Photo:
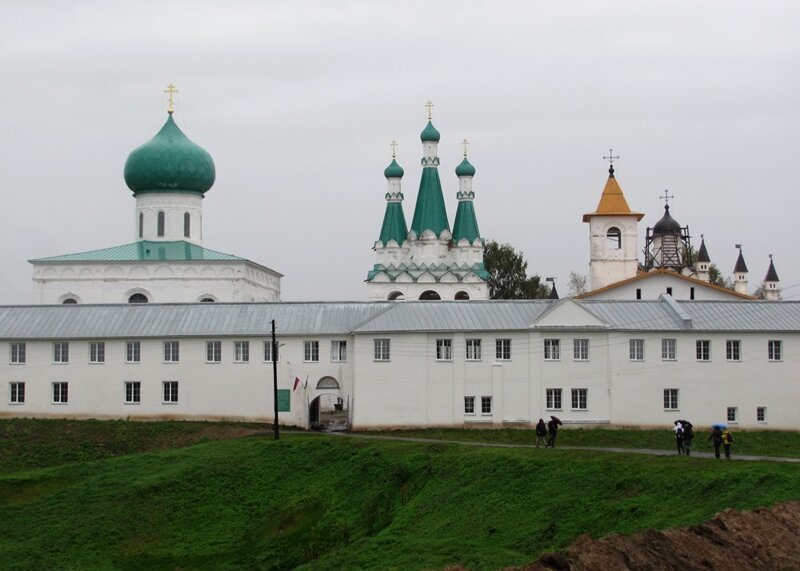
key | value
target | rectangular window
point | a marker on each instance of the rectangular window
(268, 352)
(213, 351)
(172, 353)
(133, 392)
(97, 352)
(774, 350)
(469, 405)
(382, 349)
(703, 350)
(133, 352)
(580, 349)
(338, 351)
(473, 349)
(636, 349)
(17, 393)
(670, 399)
(502, 349)
(669, 349)
(486, 405)
(553, 399)
(18, 353)
(552, 349)
(61, 352)
(733, 414)
(444, 349)
(733, 349)
(761, 414)
(669, 291)
(241, 351)
(60, 393)
(638, 293)
(311, 351)
(579, 399)
(170, 391)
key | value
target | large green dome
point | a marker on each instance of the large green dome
(429, 133)
(169, 162)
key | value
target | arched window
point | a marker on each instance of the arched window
(614, 237)
(160, 230)
(69, 301)
(429, 295)
(138, 298)
(327, 383)
(141, 225)
(206, 300)
(187, 224)
(395, 296)
(462, 295)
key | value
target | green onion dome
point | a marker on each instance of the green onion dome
(169, 162)
(465, 168)
(430, 133)
(393, 170)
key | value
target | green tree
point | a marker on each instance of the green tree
(508, 277)
(716, 278)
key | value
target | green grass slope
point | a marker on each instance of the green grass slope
(325, 502)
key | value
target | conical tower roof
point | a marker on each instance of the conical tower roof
(394, 225)
(740, 267)
(702, 254)
(466, 224)
(772, 275)
(612, 201)
(430, 212)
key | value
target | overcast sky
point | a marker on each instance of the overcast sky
(297, 102)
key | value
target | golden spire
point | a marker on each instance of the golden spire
(170, 91)
(393, 144)
(429, 107)
(466, 144)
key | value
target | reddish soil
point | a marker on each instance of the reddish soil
(761, 539)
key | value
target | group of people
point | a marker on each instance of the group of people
(546, 433)
(720, 437)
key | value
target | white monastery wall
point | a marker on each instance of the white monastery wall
(653, 286)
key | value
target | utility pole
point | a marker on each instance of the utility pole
(275, 380)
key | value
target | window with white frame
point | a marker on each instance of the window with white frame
(338, 351)
(170, 391)
(486, 405)
(18, 353)
(774, 350)
(444, 349)
(733, 350)
(17, 395)
(580, 349)
(552, 349)
(241, 351)
(733, 414)
(761, 414)
(133, 352)
(172, 351)
(703, 349)
(213, 351)
(636, 349)
(502, 349)
(473, 349)
(382, 352)
(133, 392)
(97, 352)
(60, 393)
(670, 399)
(268, 356)
(61, 352)
(669, 350)
(579, 399)
(553, 399)
(469, 405)
(311, 351)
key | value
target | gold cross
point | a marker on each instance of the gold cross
(393, 144)
(429, 107)
(466, 144)
(170, 90)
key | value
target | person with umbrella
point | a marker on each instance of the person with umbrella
(688, 435)
(716, 438)
(552, 431)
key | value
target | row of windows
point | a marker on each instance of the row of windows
(733, 350)
(444, 349)
(132, 392)
(161, 223)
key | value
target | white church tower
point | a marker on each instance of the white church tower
(613, 236)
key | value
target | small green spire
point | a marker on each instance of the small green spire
(466, 224)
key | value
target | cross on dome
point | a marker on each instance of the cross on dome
(466, 146)
(429, 107)
(666, 197)
(393, 144)
(610, 158)
(170, 91)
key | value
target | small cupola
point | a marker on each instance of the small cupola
(771, 280)
(740, 273)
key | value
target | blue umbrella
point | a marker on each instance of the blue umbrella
(720, 426)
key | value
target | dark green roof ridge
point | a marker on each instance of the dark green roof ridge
(143, 251)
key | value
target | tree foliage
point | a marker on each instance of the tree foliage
(508, 278)
(716, 277)
(577, 283)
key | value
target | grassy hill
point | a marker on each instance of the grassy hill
(323, 502)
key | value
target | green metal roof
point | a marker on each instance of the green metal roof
(144, 251)
(393, 170)
(466, 224)
(169, 162)
(394, 224)
(430, 212)
(465, 168)
(429, 133)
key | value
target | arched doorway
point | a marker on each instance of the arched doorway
(429, 295)
(328, 411)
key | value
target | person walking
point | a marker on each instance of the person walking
(716, 439)
(727, 440)
(541, 433)
(688, 435)
(678, 429)
(552, 432)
